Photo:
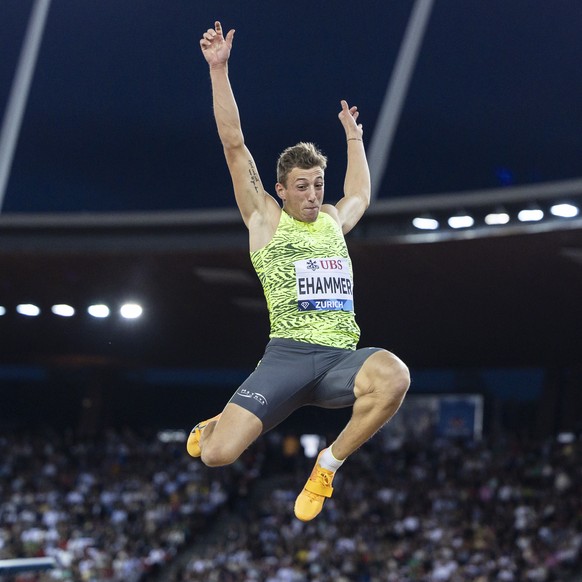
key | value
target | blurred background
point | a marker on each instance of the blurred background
(127, 299)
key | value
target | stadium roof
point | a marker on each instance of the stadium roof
(509, 298)
(119, 114)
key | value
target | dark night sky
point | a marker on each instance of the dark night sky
(119, 115)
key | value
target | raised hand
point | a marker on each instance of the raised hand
(215, 47)
(349, 117)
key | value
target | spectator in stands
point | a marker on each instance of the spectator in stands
(114, 510)
(447, 511)
(454, 511)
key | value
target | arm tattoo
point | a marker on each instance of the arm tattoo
(254, 176)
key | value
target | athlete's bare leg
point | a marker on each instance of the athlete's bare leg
(222, 442)
(380, 387)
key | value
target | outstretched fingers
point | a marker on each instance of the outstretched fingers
(229, 37)
(353, 110)
(217, 34)
(349, 116)
(214, 39)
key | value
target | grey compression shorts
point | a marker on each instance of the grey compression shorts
(294, 374)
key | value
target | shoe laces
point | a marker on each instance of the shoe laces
(323, 475)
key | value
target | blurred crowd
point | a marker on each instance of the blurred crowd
(117, 508)
(440, 511)
(125, 506)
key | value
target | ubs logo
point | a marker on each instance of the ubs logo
(331, 264)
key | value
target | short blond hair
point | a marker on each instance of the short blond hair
(304, 155)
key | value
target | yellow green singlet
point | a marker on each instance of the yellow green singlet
(307, 278)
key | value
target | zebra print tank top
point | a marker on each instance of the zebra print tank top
(307, 278)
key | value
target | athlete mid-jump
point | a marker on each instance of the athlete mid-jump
(300, 255)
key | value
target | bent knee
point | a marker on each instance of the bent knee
(218, 456)
(400, 377)
(386, 375)
(236, 430)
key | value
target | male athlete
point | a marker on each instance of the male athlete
(301, 258)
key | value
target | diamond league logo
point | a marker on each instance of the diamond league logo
(305, 304)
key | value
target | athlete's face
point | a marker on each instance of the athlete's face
(303, 195)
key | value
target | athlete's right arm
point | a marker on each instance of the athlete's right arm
(256, 206)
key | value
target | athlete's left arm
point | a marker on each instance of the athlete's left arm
(357, 187)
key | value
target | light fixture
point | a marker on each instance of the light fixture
(497, 217)
(425, 223)
(28, 309)
(98, 310)
(131, 310)
(63, 310)
(532, 214)
(2, 310)
(564, 210)
(461, 220)
(172, 436)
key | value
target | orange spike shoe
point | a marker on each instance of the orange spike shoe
(309, 502)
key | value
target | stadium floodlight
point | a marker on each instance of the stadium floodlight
(530, 215)
(98, 310)
(564, 210)
(425, 223)
(495, 218)
(28, 309)
(131, 311)
(63, 310)
(462, 220)
(2, 310)
(172, 436)
(311, 444)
